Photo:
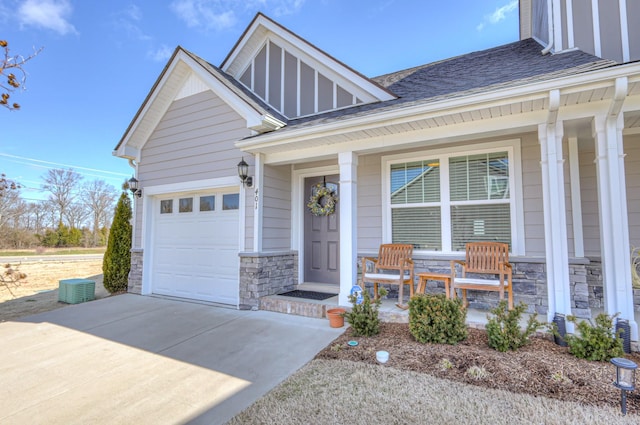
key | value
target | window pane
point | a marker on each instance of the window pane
(185, 205)
(207, 203)
(479, 177)
(475, 223)
(417, 226)
(231, 201)
(166, 206)
(415, 182)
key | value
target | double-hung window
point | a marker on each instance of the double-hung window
(440, 202)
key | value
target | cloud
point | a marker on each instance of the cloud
(284, 7)
(161, 54)
(219, 15)
(500, 14)
(207, 14)
(48, 14)
(133, 12)
(126, 22)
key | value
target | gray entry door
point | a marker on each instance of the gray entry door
(321, 237)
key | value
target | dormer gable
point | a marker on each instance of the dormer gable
(605, 28)
(293, 76)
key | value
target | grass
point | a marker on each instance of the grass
(51, 251)
(338, 391)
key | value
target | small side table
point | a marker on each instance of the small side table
(422, 284)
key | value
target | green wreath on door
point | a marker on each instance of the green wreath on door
(322, 201)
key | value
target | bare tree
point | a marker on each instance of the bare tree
(62, 185)
(9, 197)
(76, 215)
(7, 185)
(100, 198)
(37, 215)
(10, 65)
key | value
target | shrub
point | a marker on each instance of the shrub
(117, 258)
(503, 329)
(435, 318)
(597, 342)
(477, 372)
(363, 317)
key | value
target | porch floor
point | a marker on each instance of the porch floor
(388, 311)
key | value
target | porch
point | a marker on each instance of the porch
(389, 312)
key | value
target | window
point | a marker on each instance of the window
(166, 206)
(207, 203)
(415, 197)
(480, 205)
(185, 205)
(231, 201)
(442, 202)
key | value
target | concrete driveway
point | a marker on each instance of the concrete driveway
(133, 359)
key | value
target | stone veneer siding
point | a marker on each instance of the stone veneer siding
(135, 274)
(266, 273)
(529, 285)
(596, 289)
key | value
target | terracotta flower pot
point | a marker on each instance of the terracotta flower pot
(336, 318)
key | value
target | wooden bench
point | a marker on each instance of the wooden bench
(393, 266)
(484, 258)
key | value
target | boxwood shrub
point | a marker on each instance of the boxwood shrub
(437, 319)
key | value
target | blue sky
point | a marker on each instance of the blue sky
(101, 58)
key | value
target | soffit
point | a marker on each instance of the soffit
(500, 112)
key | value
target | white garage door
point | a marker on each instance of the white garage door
(195, 246)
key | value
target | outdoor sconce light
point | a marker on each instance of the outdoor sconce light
(243, 171)
(134, 188)
(625, 379)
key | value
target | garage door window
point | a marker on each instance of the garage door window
(185, 205)
(231, 201)
(207, 203)
(166, 206)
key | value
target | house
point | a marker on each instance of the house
(534, 143)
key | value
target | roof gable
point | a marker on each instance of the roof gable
(184, 75)
(293, 76)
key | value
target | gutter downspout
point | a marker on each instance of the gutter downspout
(550, 25)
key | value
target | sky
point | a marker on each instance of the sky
(99, 60)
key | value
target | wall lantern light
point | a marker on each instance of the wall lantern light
(243, 173)
(625, 379)
(134, 187)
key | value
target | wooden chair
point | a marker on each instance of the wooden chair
(491, 258)
(393, 266)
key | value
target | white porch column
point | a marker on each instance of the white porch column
(555, 221)
(348, 224)
(614, 222)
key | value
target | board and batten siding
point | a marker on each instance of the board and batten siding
(194, 140)
(276, 214)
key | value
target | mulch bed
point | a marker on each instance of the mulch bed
(540, 368)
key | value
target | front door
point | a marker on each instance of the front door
(321, 234)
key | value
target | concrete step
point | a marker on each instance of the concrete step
(318, 309)
(296, 306)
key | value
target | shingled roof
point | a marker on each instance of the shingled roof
(510, 65)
